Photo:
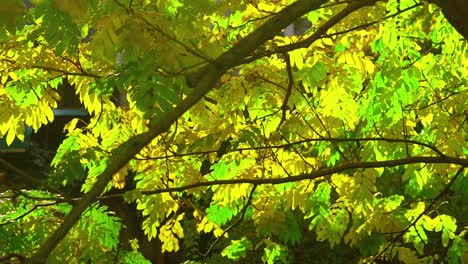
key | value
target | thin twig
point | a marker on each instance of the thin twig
(284, 106)
(246, 206)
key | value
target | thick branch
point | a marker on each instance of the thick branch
(456, 12)
(204, 84)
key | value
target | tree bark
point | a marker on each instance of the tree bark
(456, 12)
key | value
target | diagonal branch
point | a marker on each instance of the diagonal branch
(350, 8)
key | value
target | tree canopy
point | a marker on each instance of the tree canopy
(273, 131)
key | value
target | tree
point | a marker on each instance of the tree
(353, 133)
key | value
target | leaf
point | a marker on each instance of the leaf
(333, 228)
(10, 136)
(446, 224)
(457, 252)
(101, 226)
(318, 204)
(292, 231)
(237, 249)
(407, 255)
(170, 233)
(274, 253)
(219, 214)
(370, 244)
(84, 30)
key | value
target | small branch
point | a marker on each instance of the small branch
(9, 257)
(291, 144)
(284, 107)
(28, 178)
(167, 35)
(246, 206)
(27, 213)
(371, 23)
(83, 73)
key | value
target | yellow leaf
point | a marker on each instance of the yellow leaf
(426, 120)
(201, 225)
(328, 41)
(218, 232)
(370, 67)
(70, 126)
(118, 180)
(49, 113)
(10, 11)
(13, 76)
(76, 8)
(407, 255)
(10, 136)
(167, 237)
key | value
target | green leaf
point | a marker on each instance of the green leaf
(457, 252)
(274, 253)
(370, 244)
(446, 224)
(237, 249)
(318, 204)
(219, 214)
(84, 30)
(292, 231)
(101, 226)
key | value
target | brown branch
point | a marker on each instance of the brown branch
(311, 175)
(350, 8)
(160, 124)
(315, 36)
(193, 51)
(284, 107)
(12, 258)
(32, 209)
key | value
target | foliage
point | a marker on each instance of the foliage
(353, 133)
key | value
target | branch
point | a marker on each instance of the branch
(32, 209)
(82, 73)
(350, 8)
(291, 144)
(373, 22)
(284, 106)
(205, 81)
(311, 175)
